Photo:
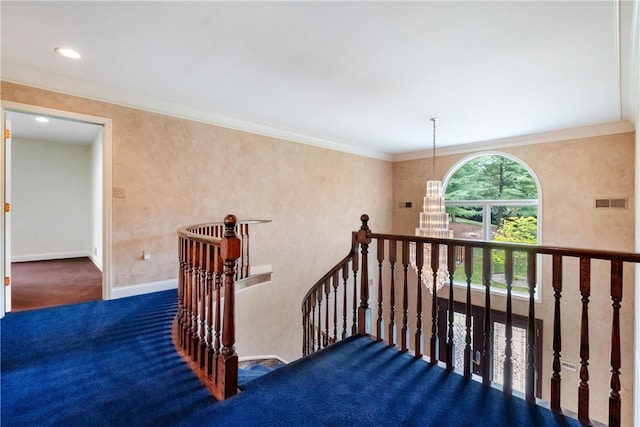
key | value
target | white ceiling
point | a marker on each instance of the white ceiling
(363, 77)
(58, 130)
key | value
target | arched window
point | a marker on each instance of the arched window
(494, 197)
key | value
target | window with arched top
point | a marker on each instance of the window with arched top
(494, 196)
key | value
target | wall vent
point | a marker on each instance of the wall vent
(620, 203)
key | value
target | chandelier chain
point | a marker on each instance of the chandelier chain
(433, 156)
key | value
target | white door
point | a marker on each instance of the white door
(5, 296)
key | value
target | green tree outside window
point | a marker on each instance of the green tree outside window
(493, 197)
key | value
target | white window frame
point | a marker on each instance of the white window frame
(487, 204)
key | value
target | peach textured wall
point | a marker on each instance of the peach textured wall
(572, 174)
(177, 172)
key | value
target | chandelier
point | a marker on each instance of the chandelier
(434, 222)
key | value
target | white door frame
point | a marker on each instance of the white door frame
(106, 180)
(5, 218)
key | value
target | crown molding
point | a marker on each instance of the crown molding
(87, 90)
(539, 138)
(91, 91)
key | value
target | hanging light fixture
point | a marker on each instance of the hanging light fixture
(434, 222)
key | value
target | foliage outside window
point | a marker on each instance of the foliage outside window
(493, 197)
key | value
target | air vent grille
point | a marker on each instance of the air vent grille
(619, 203)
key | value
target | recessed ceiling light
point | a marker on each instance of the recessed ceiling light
(42, 119)
(69, 53)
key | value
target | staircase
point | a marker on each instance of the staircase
(251, 368)
(403, 313)
(213, 266)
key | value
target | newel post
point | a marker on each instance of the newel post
(363, 239)
(229, 253)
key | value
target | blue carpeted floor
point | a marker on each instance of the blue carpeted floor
(112, 363)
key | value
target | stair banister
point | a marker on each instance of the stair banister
(204, 330)
(351, 302)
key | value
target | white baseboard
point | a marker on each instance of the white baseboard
(44, 257)
(97, 262)
(261, 357)
(260, 269)
(143, 288)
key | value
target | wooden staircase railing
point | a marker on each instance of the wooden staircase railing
(217, 229)
(213, 258)
(337, 306)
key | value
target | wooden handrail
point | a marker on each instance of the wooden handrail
(330, 280)
(200, 232)
(349, 303)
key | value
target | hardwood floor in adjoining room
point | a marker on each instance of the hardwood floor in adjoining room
(39, 284)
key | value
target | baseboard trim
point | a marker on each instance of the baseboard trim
(45, 257)
(96, 262)
(143, 288)
(261, 357)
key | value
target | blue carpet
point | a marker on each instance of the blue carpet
(335, 388)
(105, 363)
(112, 363)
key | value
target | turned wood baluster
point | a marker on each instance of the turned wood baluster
(392, 293)
(583, 388)
(327, 293)
(309, 330)
(244, 257)
(181, 282)
(418, 334)
(435, 263)
(230, 252)
(380, 260)
(304, 326)
(185, 297)
(211, 250)
(312, 326)
(451, 266)
(468, 272)
(354, 271)
(405, 297)
(557, 333)
(197, 275)
(530, 379)
(195, 332)
(321, 342)
(188, 298)
(345, 279)
(204, 314)
(336, 284)
(507, 386)
(311, 312)
(616, 298)
(485, 363)
(202, 284)
(217, 344)
(364, 240)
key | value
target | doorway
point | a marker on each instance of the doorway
(56, 173)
